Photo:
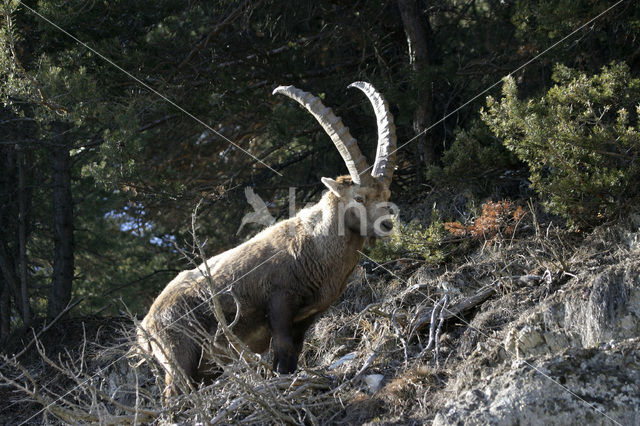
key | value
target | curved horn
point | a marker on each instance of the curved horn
(337, 131)
(385, 161)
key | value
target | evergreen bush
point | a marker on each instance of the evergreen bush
(580, 141)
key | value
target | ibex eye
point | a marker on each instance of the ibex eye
(358, 199)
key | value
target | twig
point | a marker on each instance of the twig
(465, 304)
(434, 333)
(445, 300)
(398, 334)
(400, 259)
(366, 365)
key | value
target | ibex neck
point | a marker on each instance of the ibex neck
(325, 223)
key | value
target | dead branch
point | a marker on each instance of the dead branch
(434, 333)
(424, 318)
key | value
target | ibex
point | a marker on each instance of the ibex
(274, 285)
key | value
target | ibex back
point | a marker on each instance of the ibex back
(274, 285)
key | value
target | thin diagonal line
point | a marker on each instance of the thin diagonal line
(224, 137)
(169, 325)
(151, 89)
(598, 410)
(590, 21)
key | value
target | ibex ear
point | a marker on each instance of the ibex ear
(332, 185)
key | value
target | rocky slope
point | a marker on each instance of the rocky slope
(540, 328)
(573, 358)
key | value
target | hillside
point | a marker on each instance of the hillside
(541, 327)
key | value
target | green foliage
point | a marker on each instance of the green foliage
(413, 240)
(580, 141)
(12, 81)
(476, 158)
(121, 258)
(539, 24)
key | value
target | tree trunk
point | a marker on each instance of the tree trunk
(7, 267)
(63, 261)
(9, 281)
(417, 41)
(22, 240)
(5, 310)
(16, 195)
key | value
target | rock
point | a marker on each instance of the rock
(573, 358)
(599, 308)
(581, 386)
(374, 382)
(342, 360)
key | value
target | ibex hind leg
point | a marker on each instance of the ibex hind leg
(181, 370)
(288, 345)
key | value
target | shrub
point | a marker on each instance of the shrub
(580, 141)
(413, 240)
(475, 159)
(497, 218)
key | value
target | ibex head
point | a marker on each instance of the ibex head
(363, 195)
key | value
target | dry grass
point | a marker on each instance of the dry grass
(373, 329)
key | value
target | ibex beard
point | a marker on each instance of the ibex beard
(272, 287)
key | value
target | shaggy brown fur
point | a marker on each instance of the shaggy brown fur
(273, 286)
(281, 279)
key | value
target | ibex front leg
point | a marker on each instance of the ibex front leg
(281, 312)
